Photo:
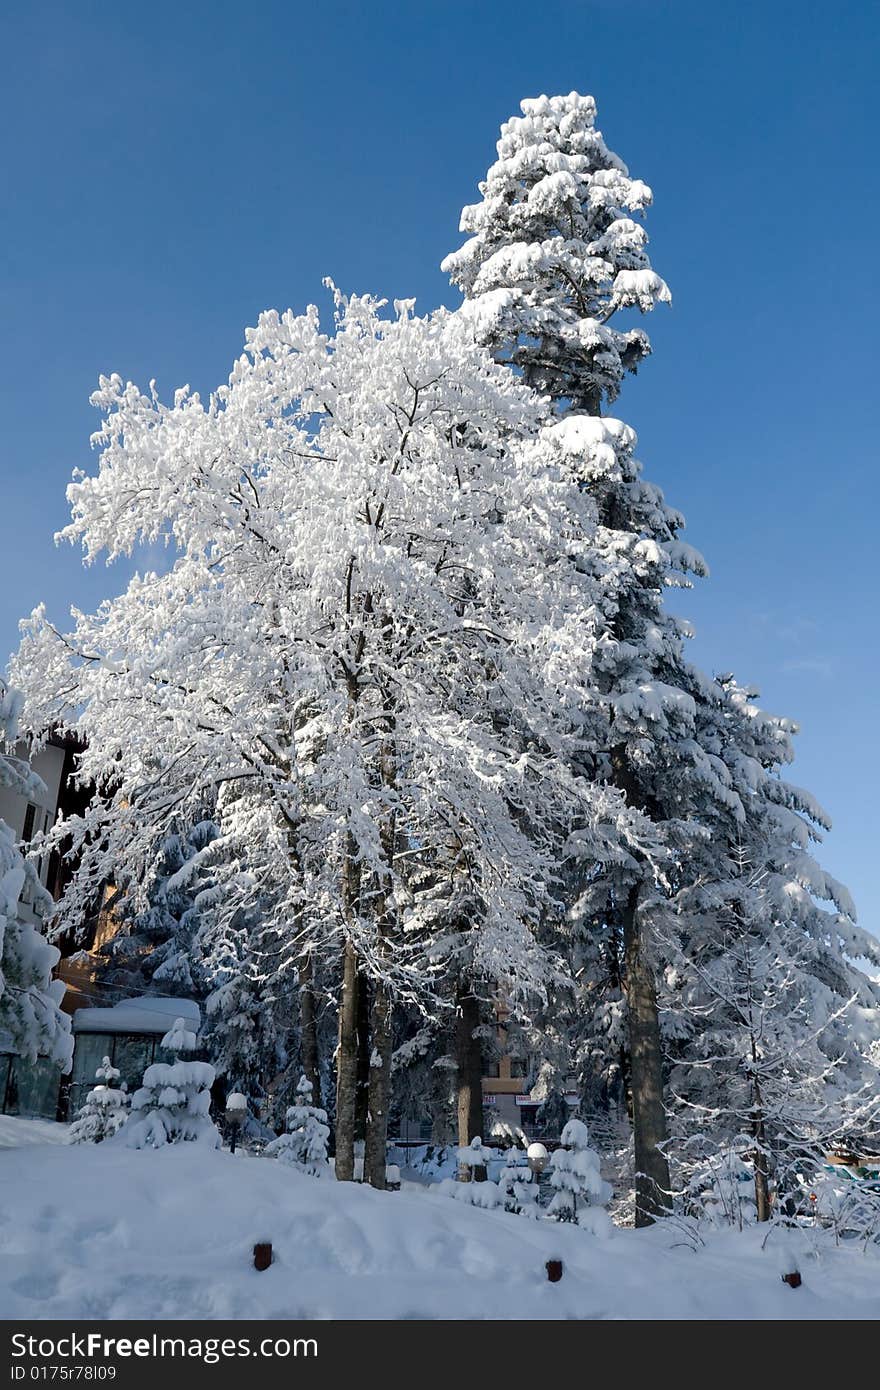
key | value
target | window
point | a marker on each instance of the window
(528, 1116)
(5, 1077)
(30, 817)
(89, 1050)
(132, 1055)
(32, 1088)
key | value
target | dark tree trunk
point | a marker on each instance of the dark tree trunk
(308, 1028)
(375, 1153)
(645, 1051)
(362, 1099)
(646, 1072)
(469, 1057)
(380, 1014)
(346, 1066)
(762, 1171)
(762, 1175)
(616, 980)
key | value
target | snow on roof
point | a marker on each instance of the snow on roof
(149, 1013)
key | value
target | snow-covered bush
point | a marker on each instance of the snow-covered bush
(173, 1105)
(579, 1190)
(105, 1109)
(517, 1186)
(434, 1162)
(722, 1192)
(472, 1156)
(304, 1145)
(473, 1194)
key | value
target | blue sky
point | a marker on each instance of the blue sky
(170, 170)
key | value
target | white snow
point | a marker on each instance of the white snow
(147, 1014)
(103, 1232)
(17, 1132)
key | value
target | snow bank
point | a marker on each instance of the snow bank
(105, 1232)
(19, 1133)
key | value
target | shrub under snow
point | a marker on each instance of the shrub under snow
(517, 1186)
(173, 1105)
(105, 1110)
(304, 1145)
(580, 1192)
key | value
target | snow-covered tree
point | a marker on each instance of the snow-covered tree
(159, 914)
(473, 1160)
(516, 1183)
(372, 631)
(553, 256)
(190, 923)
(579, 1190)
(553, 1113)
(30, 999)
(304, 1143)
(778, 1026)
(173, 1104)
(721, 1191)
(554, 252)
(105, 1109)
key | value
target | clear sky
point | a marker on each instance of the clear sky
(170, 170)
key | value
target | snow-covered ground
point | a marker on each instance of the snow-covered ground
(97, 1232)
(17, 1133)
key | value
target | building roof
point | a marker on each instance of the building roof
(148, 1013)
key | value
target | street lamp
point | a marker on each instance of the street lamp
(537, 1156)
(236, 1112)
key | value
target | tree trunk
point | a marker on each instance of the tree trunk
(653, 1197)
(362, 1099)
(308, 1028)
(469, 1056)
(380, 1034)
(646, 1072)
(762, 1175)
(375, 1153)
(762, 1171)
(346, 1066)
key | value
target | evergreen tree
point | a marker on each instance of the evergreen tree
(304, 1144)
(553, 1114)
(159, 912)
(553, 256)
(105, 1109)
(580, 1192)
(780, 1064)
(554, 253)
(516, 1183)
(173, 1104)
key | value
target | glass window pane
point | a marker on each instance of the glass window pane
(132, 1055)
(5, 1072)
(89, 1051)
(35, 1088)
